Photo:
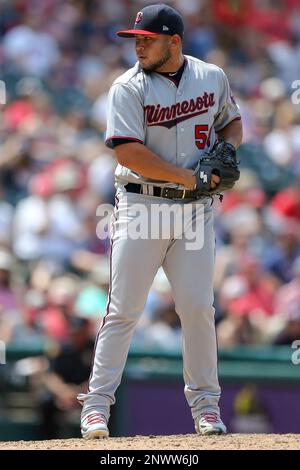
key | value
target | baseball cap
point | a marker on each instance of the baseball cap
(156, 19)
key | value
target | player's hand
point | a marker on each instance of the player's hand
(191, 181)
(215, 180)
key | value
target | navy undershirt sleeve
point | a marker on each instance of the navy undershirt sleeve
(116, 142)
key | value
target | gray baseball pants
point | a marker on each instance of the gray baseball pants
(134, 263)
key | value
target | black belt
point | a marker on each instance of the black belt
(168, 193)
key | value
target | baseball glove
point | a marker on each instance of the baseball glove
(221, 161)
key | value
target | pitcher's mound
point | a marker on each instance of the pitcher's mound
(178, 442)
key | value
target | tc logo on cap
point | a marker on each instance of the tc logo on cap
(139, 17)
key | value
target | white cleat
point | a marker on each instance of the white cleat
(210, 423)
(94, 426)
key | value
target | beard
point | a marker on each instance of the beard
(156, 65)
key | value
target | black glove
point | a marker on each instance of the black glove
(221, 161)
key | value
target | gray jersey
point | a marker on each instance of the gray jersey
(178, 124)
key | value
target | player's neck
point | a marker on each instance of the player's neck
(172, 65)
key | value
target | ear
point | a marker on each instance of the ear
(175, 40)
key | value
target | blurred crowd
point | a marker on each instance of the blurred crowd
(58, 59)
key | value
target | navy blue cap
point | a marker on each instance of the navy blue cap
(156, 19)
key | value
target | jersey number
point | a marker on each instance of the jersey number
(202, 136)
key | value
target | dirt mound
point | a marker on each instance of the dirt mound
(179, 442)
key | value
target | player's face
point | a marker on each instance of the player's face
(153, 52)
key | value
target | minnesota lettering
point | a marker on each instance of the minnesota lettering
(170, 116)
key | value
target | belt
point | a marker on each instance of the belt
(168, 193)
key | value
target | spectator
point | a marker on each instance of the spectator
(287, 307)
(30, 48)
(67, 375)
(280, 258)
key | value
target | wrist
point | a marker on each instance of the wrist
(231, 140)
(190, 180)
(232, 143)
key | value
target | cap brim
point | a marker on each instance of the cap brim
(129, 33)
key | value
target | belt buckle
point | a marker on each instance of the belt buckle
(164, 192)
(180, 197)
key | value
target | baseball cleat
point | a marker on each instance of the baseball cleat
(210, 423)
(93, 426)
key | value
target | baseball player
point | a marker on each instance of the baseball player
(163, 115)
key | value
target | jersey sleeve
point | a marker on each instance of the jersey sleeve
(228, 108)
(125, 115)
